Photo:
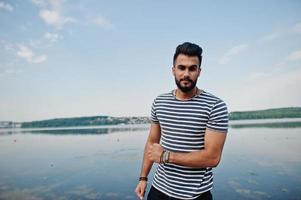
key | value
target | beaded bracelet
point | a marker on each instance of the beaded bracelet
(164, 158)
(162, 155)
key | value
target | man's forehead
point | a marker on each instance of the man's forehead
(182, 59)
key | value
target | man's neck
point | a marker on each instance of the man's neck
(186, 95)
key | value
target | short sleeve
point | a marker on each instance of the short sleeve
(218, 118)
(154, 118)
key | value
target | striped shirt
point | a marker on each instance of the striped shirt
(183, 125)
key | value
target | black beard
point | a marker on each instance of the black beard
(186, 89)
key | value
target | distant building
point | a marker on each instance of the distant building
(9, 124)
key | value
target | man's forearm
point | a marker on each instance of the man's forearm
(154, 137)
(146, 163)
(207, 157)
(202, 158)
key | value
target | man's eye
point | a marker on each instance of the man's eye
(192, 69)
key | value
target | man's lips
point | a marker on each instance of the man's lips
(186, 81)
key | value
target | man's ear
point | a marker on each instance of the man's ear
(200, 70)
(173, 70)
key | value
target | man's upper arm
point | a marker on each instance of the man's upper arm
(155, 133)
(214, 142)
(216, 131)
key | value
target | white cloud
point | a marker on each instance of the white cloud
(272, 36)
(27, 54)
(266, 90)
(102, 22)
(54, 18)
(52, 37)
(296, 55)
(55, 4)
(51, 12)
(10, 71)
(297, 27)
(39, 59)
(6, 6)
(286, 31)
(39, 2)
(231, 53)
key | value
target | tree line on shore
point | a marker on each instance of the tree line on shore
(292, 112)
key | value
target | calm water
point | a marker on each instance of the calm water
(104, 163)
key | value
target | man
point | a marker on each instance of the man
(187, 134)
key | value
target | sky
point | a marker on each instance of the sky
(61, 58)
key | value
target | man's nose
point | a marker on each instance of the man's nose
(186, 73)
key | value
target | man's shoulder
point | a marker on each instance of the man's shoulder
(166, 95)
(211, 96)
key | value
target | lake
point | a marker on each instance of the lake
(259, 162)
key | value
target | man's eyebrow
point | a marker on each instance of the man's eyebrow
(187, 66)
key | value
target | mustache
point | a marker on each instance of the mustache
(186, 79)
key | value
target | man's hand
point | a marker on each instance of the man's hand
(154, 152)
(140, 189)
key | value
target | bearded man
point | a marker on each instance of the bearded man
(187, 134)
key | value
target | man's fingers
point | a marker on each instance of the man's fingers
(140, 192)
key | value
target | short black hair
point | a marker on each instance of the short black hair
(188, 49)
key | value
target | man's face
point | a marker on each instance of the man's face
(186, 71)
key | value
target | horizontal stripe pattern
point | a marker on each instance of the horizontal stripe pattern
(183, 125)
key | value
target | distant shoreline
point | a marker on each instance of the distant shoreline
(275, 113)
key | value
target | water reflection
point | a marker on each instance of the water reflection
(296, 124)
(71, 166)
(90, 163)
(77, 130)
(260, 164)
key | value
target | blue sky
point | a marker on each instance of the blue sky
(62, 58)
